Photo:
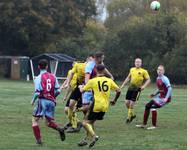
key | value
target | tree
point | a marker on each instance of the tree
(92, 40)
(158, 38)
(30, 27)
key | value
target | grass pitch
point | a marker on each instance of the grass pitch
(16, 132)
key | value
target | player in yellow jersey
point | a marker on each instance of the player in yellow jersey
(76, 95)
(139, 79)
(71, 87)
(101, 87)
(91, 73)
(67, 95)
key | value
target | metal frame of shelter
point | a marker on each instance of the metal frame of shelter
(54, 59)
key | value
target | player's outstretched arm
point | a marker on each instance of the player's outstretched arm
(118, 93)
(154, 94)
(108, 74)
(147, 82)
(35, 97)
(65, 96)
(37, 88)
(64, 83)
(169, 93)
(126, 81)
(69, 80)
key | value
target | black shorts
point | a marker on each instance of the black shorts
(95, 115)
(67, 103)
(76, 94)
(133, 95)
(79, 103)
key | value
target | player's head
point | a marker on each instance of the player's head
(100, 69)
(90, 57)
(138, 62)
(99, 57)
(160, 70)
(43, 64)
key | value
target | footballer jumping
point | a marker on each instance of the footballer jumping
(90, 73)
(101, 87)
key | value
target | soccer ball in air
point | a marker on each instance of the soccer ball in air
(155, 5)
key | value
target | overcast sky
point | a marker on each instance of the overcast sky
(101, 9)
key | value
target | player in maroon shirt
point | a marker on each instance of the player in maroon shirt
(159, 99)
(46, 91)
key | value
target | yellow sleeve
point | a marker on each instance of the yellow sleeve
(88, 86)
(114, 86)
(146, 74)
(74, 69)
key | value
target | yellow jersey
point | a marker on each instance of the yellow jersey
(73, 82)
(79, 70)
(137, 77)
(101, 87)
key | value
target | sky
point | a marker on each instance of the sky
(102, 9)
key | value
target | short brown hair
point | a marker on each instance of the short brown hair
(43, 63)
(99, 54)
(100, 68)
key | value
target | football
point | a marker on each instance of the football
(155, 5)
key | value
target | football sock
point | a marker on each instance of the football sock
(146, 116)
(130, 112)
(154, 117)
(70, 115)
(53, 125)
(89, 129)
(74, 120)
(36, 131)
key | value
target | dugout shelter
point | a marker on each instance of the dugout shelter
(59, 64)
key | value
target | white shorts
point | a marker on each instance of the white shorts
(159, 101)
